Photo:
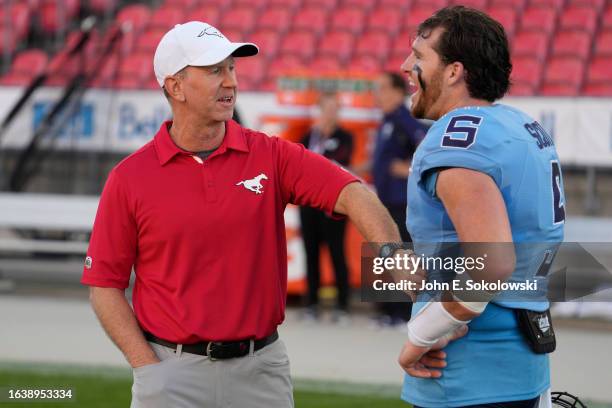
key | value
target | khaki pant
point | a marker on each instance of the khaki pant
(258, 380)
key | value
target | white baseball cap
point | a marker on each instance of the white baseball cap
(195, 43)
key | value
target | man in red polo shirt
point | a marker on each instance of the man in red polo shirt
(198, 214)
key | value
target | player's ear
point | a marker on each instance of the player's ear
(174, 88)
(455, 72)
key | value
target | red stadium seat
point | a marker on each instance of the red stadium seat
(477, 4)
(102, 6)
(598, 90)
(572, 44)
(365, 64)
(242, 18)
(19, 16)
(337, 43)
(375, 44)
(402, 46)
(349, 19)
(251, 71)
(606, 19)
(396, 5)
(25, 67)
(596, 4)
(416, 17)
(559, 90)
(256, 5)
(564, 71)
(235, 35)
(128, 83)
(136, 15)
(515, 4)
(106, 75)
(327, 5)
(280, 66)
(207, 13)
(526, 71)
(277, 19)
(268, 42)
(300, 43)
(579, 18)
(531, 43)
(312, 19)
(289, 4)
(394, 64)
(603, 44)
(148, 41)
(365, 5)
(185, 5)
(506, 16)
(429, 4)
(538, 19)
(547, 4)
(389, 21)
(326, 63)
(55, 17)
(599, 71)
(166, 17)
(519, 89)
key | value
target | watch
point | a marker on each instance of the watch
(388, 250)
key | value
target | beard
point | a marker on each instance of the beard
(427, 97)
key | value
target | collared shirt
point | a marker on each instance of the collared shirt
(206, 238)
(398, 137)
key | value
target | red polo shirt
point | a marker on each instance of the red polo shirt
(206, 239)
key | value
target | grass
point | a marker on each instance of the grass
(110, 387)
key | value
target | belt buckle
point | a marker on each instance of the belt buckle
(209, 351)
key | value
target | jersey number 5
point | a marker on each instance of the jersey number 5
(558, 201)
(461, 135)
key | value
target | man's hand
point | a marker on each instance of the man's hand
(425, 362)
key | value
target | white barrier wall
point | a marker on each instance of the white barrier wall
(123, 121)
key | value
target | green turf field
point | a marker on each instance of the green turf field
(97, 388)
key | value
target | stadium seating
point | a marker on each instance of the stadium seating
(337, 43)
(603, 44)
(277, 19)
(385, 20)
(579, 18)
(375, 44)
(26, 66)
(268, 42)
(539, 19)
(571, 43)
(208, 13)
(166, 17)
(559, 47)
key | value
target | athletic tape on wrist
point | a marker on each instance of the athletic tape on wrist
(431, 324)
(473, 300)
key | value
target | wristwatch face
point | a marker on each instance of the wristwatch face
(386, 250)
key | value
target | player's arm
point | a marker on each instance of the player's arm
(119, 322)
(478, 212)
(368, 214)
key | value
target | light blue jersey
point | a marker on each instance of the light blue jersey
(492, 362)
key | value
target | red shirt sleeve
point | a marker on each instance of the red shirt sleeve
(113, 245)
(310, 179)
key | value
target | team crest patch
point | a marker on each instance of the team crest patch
(88, 262)
(254, 184)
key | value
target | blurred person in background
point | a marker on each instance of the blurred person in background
(397, 138)
(328, 139)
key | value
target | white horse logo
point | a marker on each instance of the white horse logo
(254, 184)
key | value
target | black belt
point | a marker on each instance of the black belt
(218, 350)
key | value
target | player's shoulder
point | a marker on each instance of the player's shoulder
(476, 128)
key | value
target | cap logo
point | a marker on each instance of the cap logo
(210, 31)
